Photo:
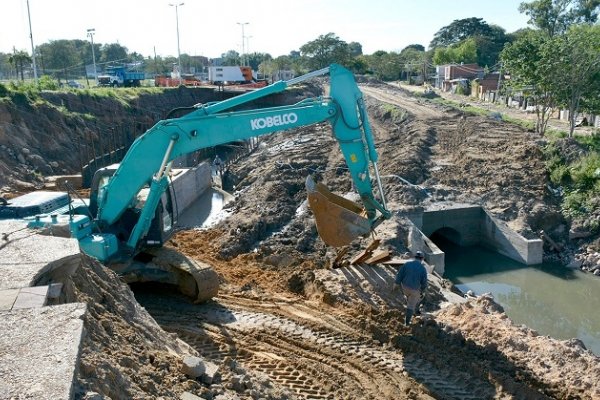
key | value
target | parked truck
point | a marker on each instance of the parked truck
(120, 76)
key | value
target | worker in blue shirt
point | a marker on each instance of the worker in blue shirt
(412, 276)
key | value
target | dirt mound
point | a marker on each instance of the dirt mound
(563, 367)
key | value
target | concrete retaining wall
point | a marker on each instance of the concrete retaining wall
(499, 237)
(468, 225)
(188, 185)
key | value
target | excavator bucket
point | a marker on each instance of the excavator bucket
(339, 220)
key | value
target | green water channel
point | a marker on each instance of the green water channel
(553, 300)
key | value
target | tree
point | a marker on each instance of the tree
(112, 52)
(325, 50)
(526, 60)
(60, 55)
(489, 39)
(459, 30)
(418, 47)
(18, 59)
(385, 66)
(232, 57)
(255, 59)
(355, 49)
(463, 52)
(575, 60)
(555, 16)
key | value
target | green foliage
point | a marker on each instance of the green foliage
(462, 52)
(47, 83)
(579, 179)
(575, 59)
(585, 173)
(555, 16)
(488, 39)
(325, 50)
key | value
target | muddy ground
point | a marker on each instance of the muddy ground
(288, 325)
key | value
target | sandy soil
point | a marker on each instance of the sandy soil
(288, 325)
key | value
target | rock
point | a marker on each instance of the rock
(574, 264)
(237, 383)
(93, 396)
(211, 373)
(40, 164)
(21, 158)
(597, 272)
(25, 151)
(193, 366)
(189, 396)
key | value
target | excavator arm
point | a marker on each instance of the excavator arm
(148, 160)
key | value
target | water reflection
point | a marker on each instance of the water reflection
(549, 298)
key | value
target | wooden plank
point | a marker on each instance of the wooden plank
(360, 257)
(378, 257)
(366, 253)
(395, 261)
(338, 258)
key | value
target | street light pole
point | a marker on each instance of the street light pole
(90, 33)
(32, 48)
(243, 39)
(177, 21)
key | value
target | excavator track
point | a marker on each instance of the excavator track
(194, 279)
(313, 354)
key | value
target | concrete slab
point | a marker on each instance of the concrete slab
(31, 297)
(8, 298)
(39, 350)
(25, 254)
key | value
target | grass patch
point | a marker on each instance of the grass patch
(578, 179)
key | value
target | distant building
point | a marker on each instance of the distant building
(486, 87)
(450, 75)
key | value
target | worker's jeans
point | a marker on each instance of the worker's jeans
(412, 297)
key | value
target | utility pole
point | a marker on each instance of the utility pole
(498, 88)
(243, 39)
(32, 47)
(178, 52)
(90, 33)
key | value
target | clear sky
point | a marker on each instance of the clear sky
(211, 28)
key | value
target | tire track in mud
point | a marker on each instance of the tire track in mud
(313, 354)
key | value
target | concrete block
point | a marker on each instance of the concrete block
(193, 366)
(211, 373)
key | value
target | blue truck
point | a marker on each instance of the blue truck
(121, 76)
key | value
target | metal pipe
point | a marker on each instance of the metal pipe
(163, 165)
(305, 77)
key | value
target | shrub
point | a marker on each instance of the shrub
(47, 83)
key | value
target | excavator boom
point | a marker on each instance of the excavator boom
(148, 160)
